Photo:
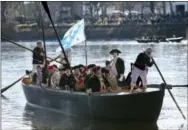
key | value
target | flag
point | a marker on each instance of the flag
(73, 36)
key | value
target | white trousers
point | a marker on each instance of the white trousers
(136, 73)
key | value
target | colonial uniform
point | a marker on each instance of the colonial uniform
(117, 66)
(87, 77)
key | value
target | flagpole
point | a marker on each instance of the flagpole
(86, 52)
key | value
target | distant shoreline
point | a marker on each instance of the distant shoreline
(124, 32)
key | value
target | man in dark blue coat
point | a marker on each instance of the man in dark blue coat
(140, 68)
(117, 65)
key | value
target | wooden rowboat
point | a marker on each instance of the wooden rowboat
(140, 106)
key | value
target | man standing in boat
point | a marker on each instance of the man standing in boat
(117, 65)
(140, 68)
(38, 56)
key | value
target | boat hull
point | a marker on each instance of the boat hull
(178, 39)
(131, 107)
(147, 41)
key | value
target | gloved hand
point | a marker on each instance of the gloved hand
(121, 78)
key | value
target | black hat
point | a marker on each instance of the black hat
(62, 69)
(80, 65)
(115, 50)
(75, 67)
(103, 70)
(66, 66)
(91, 66)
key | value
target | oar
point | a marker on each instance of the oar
(45, 6)
(168, 88)
(9, 86)
(28, 49)
(178, 86)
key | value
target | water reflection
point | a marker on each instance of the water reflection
(41, 119)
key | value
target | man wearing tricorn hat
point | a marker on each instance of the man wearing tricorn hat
(140, 68)
(117, 65)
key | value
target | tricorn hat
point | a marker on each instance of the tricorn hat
(91, 66)
(80, 65)
(115, 51)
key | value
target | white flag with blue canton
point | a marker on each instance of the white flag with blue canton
(74, 35)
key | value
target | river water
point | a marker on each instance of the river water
(17, 115)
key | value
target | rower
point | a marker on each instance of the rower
(38, 59)
(117, 66)
(38, 56)
(128, 79)
(140, 68)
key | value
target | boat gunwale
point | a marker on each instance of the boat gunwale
(96, 94)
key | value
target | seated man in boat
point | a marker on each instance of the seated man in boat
(117, 66)
(38, 56)
(95, 83)
(79, 86)
(55, 77)
(67, 80)
(51, 70)
(90, 73)
(84, 71)
(64, 78)
(140, 68)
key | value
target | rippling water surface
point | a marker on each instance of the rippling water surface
(17, 115)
